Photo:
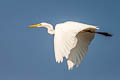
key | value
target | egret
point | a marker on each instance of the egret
(71, 40)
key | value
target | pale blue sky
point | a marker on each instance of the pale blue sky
(28, 54)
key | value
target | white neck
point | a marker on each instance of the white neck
(49, 27)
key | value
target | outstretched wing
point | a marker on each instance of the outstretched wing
(79, 51)
(72, 42)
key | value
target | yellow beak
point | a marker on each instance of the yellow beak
(31, 26)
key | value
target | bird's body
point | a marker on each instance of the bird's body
(71, 40)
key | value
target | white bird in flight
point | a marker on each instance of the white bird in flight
(71, 40)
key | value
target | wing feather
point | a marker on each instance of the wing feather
(81, 47)
(71, 42)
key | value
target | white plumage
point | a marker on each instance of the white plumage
(71, 40)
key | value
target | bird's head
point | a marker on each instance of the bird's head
(45, 25)
(38, 25)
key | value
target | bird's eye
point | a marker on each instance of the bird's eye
(40, 24)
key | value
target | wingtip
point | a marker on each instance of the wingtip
(59, 60)
(70, 64)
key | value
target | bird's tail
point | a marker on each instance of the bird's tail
(104, 33)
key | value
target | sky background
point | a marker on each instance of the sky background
(28, 53)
